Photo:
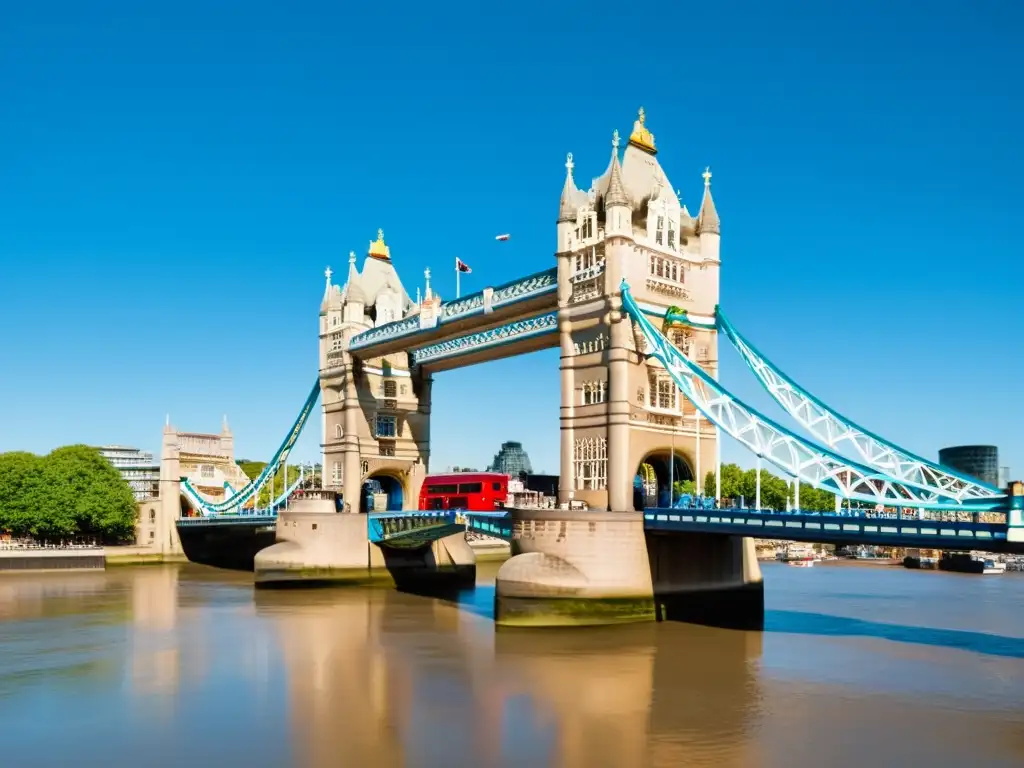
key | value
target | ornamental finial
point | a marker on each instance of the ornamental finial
(707, 176)
(351, 257)
(568, 162)
(327, 274)
(615, 138)
(378, 249)
(641, 137)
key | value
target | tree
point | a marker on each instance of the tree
(71, 492)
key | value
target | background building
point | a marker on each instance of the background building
(980, 461)
(137, 468)
(1004, 477)
(511, 459)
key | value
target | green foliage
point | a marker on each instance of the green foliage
(72, 492)
(252, 470)
(682, 487)
(774, 490)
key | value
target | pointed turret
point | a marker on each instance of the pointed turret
(327, 291)
(570, 194)
(616, 194)
(354, 293)
(707, 219)
(224, 428)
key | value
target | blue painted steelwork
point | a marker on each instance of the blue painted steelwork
(503, 334)
(524, 288)
(411, 529)
(496, 524)
(835, 430)
(857, 528)
(279, 459)
(808, 461)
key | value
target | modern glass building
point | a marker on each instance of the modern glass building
(511, 459)
(136, 467)
(980, 461)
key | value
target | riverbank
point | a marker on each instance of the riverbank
(131, 555)
(41, 560)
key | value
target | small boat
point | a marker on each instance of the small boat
(798, 555)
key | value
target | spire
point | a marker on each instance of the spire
(567, 205)
(224, 429)
(641, 137)
(353, 290)
(427, 294)
(616, 194)
(707, 219)
(378, 249)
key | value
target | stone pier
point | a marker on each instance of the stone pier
(316, 544)
(575, 568)
(586, 567)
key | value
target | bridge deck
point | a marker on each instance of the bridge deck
(830, 528)
(526, 297)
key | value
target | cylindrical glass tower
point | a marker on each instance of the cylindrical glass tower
(980, 461)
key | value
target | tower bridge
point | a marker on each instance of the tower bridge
(632, 304)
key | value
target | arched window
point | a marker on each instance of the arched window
(390, 389)
(337, 431)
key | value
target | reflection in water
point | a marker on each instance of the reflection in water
(191, 666)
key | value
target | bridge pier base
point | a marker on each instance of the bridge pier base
(574, 568)
(318, 545)
(706, 578)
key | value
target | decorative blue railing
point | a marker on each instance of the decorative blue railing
(503, 334)
(524, 288)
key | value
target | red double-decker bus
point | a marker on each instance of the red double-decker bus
(470, 491)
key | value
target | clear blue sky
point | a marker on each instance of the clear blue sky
(174, 177)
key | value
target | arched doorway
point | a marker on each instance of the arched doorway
(381, 493)
(651, 483)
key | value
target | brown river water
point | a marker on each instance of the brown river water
(190, 666)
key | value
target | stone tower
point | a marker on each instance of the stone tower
(376, 412)
(621, 414)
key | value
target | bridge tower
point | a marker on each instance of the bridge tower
(623, 419)
(621, 414)
(376, 412)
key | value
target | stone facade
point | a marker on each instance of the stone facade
(618, 407)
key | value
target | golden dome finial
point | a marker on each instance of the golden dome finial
(641, 137)
(378, 249)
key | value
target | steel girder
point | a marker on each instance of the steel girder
(807, 461)
(836, 431)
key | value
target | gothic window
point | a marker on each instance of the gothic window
(385, 426)
(390, 389)
(337, 431)
(336, 473)
(671, 234)
(659, 233)
(590, 459)
(336, 342)
(664, 393)
(593, 392)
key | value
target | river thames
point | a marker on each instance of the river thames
(168, 666)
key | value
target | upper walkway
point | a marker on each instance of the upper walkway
(525, 297)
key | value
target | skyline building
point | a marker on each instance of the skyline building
(511, 459)
(137, 468)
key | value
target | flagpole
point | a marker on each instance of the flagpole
(458, 280)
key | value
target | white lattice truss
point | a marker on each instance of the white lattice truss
(807, 461)
(836, 431)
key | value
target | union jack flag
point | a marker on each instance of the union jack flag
(461, 266)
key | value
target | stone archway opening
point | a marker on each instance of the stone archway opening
(381, 493)
(651, 484)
